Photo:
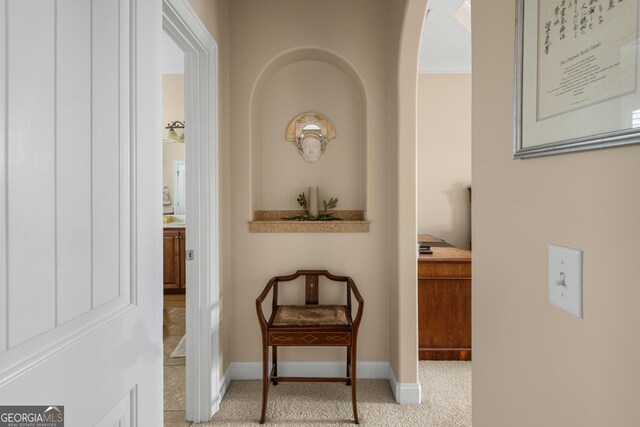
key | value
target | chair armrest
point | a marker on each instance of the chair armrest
(355, 291)
(260, 300)
(356, 294)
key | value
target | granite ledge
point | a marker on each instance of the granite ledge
(288, 226)
(276, 215)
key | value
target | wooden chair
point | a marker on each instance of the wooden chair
(311, 324)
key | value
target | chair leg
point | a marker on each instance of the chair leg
(354, 362)
(274, 350)
(265, 380)
(348, 366)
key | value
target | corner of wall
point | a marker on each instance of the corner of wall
(405, 393)
(404, 34)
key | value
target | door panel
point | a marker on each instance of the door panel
(108, 99)
(80, 249)
(73, 159)
(31, 171)
(38, 164)
(120, 414)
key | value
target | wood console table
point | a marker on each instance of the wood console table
(444, 302)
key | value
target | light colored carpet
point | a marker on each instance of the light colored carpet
(446, 402)
(180, 350)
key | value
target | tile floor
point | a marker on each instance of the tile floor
(173, 329)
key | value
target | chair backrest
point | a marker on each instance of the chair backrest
(312, 292)
(311, 289)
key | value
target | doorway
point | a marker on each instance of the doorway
(444, 182)
(444, 202)
(200, 242)
(173, 232)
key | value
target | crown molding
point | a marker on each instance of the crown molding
(453, 68)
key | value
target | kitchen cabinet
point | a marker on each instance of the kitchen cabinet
(174, 276)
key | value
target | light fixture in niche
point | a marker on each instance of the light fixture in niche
(311, 132)
(171, 135)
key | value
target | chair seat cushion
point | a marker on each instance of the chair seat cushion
(311, 315)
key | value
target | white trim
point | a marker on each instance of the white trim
(42, 348)
(4, 176)
(224, 382)
(121, 413)
(405, 393)
(172, 57)
(172, 69)
(182, 24)
(453, 68)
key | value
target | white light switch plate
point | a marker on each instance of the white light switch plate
(565, 279)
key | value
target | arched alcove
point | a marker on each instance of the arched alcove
(308, 79)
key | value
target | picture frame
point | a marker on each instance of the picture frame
(576, 76)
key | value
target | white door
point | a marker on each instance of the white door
(80, 209)
(180, 187)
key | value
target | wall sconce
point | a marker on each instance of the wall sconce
(171, 135)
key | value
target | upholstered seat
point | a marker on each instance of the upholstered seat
(311, 315)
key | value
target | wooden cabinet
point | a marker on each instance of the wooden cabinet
(174, 256)
(444, 304)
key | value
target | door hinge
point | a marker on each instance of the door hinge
(190, 255)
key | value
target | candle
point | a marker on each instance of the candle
(313, 201)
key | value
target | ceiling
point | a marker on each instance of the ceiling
(446, 43)
(445, 47)
(172, 56)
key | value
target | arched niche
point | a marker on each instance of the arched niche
(308, 79)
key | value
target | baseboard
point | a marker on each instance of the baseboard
(225, 380)
(253, 370)
(405, 393)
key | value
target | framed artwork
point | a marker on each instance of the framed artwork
(576, 76)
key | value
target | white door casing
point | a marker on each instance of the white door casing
(204, 390)
(80, 210)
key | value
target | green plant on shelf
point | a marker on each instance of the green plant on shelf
(322, 216)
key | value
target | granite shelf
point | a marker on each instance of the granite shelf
(273, 222)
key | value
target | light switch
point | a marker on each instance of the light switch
(565, 279)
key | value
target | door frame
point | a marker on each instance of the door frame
(183, 25)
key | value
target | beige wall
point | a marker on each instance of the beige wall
(353, 36)
(395, 16)
(405, 21)
(172, 99)
(283, 173)
(444, 157)
(215, 16)
(172, 110)
(535, 365)
(356, 31)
